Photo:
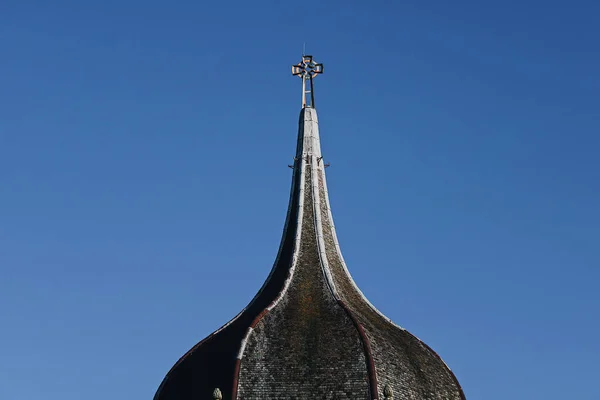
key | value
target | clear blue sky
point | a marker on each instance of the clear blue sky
(144, 182)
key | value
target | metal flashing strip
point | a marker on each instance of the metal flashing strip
(319, 232)
(315, 167)
(364, 298)
(276, 301)
(372, 372)
(343, 262)
(244, 343)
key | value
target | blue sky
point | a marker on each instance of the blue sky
(144, 182)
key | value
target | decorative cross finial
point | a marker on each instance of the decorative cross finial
(307, 69)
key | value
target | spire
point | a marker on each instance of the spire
(307, 69)
(310, 332)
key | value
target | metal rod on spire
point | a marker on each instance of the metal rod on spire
(307, 69)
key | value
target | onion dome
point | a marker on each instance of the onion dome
(310, 332)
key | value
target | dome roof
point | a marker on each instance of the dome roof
(310, 332)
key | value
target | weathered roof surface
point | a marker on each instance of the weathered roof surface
(310, 332)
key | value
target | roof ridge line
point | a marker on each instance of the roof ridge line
(286, 285)
(366, 344)
(319, 227)
(341, 257)
(316, 169)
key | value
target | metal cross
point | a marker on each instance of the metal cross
(307, 69)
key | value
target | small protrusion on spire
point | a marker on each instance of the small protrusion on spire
(307, 69)
(388, 392)
(217, 395)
